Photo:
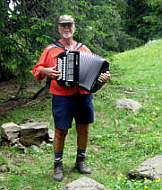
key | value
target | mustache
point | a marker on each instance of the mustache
(67, 35)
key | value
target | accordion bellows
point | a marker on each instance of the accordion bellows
(79, 69)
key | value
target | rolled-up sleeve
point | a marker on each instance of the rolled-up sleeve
(42, 62)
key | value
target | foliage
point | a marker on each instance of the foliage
(143, 19)
(22, 37)
(119, 140)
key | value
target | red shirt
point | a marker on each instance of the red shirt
(49, 59)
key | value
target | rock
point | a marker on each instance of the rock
(10, 131)
(3, 188)
(128, 104)
(36, 148)
(27, 188)
(4, 168)
(3, 179)
(150, 169)
(33, 133)
(84, 183)
(150, 42)
(50, 135)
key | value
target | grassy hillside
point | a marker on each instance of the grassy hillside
(119, 139)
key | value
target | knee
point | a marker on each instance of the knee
(82, 131)
(60, 133)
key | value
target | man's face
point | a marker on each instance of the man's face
(66, 30)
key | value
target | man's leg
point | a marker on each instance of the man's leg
(59, 140)
(82, 141)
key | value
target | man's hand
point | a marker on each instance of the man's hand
(50, 72)
(104, 77)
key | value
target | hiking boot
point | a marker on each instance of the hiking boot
(58, 172)
(82, 167)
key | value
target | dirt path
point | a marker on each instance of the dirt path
(8, 91)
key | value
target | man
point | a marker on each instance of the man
(67, 103)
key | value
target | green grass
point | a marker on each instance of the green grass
(113, 148)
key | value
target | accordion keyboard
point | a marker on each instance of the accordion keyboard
(59, 68)
(70, 67)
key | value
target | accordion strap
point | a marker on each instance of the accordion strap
(59, 44)
(78, 45)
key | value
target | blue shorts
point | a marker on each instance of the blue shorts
(78, 106)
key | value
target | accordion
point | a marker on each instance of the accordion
(79, 69)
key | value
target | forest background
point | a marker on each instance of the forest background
(105, 26)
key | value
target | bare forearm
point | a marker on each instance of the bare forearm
(42, 71)
(50, 72)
